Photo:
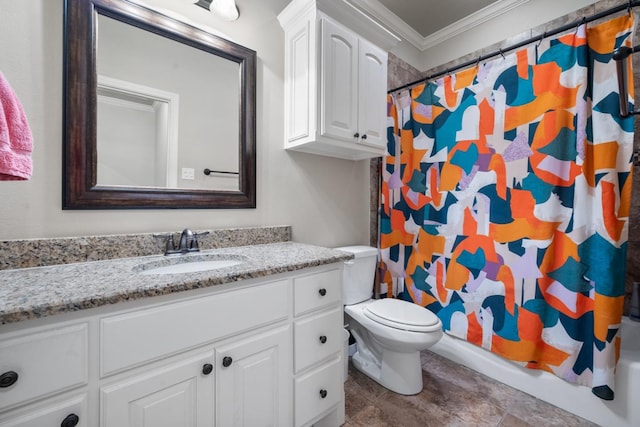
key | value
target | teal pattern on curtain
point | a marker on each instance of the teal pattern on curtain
(505, 203)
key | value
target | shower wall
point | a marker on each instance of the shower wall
(401, 73)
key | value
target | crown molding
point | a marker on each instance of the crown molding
(347, 14)
(378, 12)
(388, 19)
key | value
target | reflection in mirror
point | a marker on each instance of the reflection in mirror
(157, 114)
(137, 135)
(204, 87)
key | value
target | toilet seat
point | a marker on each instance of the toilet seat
(401, 314)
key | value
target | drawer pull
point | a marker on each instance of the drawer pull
(323, 339)
(8, 379)
(323, 393)
(356, 135)
(364, 136)
(226, 361)
(207, 368)
(322, 292)
(70, 421)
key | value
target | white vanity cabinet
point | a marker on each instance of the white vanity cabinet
(41, 363)
(177, 394)
(252, 386)
(69, 412)
(335, 81)
(318, 343)
(227, 355)
(249, 382)
(182, 393)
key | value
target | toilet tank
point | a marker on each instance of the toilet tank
(359, 274)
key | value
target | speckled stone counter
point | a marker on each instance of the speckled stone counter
(64, 250)
(30, 293)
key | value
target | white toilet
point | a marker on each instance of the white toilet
(390, 333)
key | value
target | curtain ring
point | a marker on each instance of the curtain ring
(542, 37)
(449, 71)
(582, 22)
(477, 61)
(502, 53)
(629, 7)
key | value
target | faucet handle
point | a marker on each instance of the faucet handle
(170, 246)
(195, 243)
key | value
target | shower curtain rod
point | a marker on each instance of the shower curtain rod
(631, 4)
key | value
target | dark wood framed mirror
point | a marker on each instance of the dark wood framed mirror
(90, 184)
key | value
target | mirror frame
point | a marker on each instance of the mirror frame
(79, 171)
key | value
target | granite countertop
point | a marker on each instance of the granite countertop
(29, 293)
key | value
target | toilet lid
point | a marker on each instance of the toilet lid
(402, 314)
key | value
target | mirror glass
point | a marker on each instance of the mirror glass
(158, 114)
(166, 112)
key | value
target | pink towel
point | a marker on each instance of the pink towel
(16, 140)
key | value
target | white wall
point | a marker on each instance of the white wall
(325, 200)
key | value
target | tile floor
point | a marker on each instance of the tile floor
(453, 395)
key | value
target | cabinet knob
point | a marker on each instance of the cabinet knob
(364, 136)
(226, 361)
(322, 292)
(323, 339)
(71, 420)
(356, 135)
(8, 379)
(207, 368)
(323, 393)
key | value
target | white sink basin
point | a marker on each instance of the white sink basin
(189, 264)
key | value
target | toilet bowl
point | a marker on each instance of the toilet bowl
(390, 333)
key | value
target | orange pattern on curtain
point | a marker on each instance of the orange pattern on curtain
(505, 203)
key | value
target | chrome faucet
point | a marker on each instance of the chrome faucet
(188, 242)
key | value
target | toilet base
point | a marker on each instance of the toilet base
(398, 372)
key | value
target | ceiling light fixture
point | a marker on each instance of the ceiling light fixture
(225, 9)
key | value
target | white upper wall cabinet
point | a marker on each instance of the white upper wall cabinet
(335, 80)
(372, 70)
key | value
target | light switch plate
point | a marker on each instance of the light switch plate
(188, 173)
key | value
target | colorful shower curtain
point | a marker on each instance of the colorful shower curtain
(505, 202)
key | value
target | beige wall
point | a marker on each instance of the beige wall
(325, 200)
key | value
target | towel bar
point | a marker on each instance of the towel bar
(208, 171)
(620, 55)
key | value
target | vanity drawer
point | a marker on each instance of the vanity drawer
(317, 291)
(317, 337)
(54, 413)
(45, 362)
(140, 336)
(318, 391)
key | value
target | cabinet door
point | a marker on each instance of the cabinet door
(253, 381)
(339, 83)
(178, 394)
(372, 81)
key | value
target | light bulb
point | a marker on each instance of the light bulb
(225, 9)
